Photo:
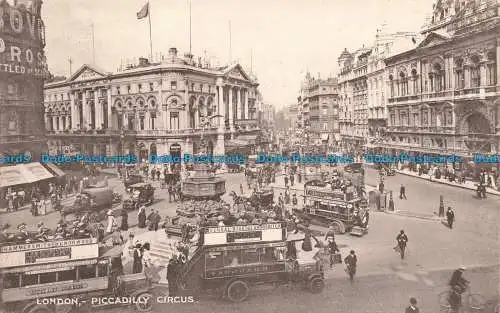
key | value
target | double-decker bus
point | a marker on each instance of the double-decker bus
(229, 260)
(59, 276)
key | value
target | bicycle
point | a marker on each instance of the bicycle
(474, 303)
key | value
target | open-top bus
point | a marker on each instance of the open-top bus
(65, 275)
(229, 260)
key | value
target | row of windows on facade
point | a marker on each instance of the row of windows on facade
(422, 118)
(426, 142)
(437, 81)
(133, 123)
(129, 89)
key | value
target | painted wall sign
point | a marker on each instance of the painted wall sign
(47, 255)
(56, 254)
(325, 194)
(243, 234)
(245, 270)
(227, 229)
(54, 289)
(49, 244)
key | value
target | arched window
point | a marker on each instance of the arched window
(459, 74)
(491, 72)
(403, 85)
(414, 81)
(391, 85)
(475, 75)
(437, 77)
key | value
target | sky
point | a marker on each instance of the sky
(277, 40)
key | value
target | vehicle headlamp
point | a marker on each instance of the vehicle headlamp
(349, 206)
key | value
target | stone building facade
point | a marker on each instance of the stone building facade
(162, 108)
(385, 44)
(443, 95)
(23, 69)
(319, 99)
(353, 98)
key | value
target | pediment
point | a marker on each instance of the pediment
(86, 72)
(237, 72)
(433, 39)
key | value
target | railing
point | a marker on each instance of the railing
(19, 138)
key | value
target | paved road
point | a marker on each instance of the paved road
(385, 282)
(382, 293)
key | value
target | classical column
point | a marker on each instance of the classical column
(221, 108)
(246, 111)
(110, 111)
(125, 121)
(231, 116)
(238, 104)
(147, 120)
(74, 117)
(467, 76)
(55, 125)
(47, 121)
(183, 113)
(61, 124)
(97, 110)
(85, 109)
(482, 73)
(68, 121)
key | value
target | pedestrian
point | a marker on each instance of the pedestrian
(351, 262)
(402, 192)
(381, 186)
(141, 216)
(156, 220)
(402, 240)
(172, 276)
(124, 224)
(146, 258)
(292, 179)
(413, 306)
(286, 180)
(137, 264)
(333, 250)
(153, 172)
(241, 188)
(111, 222)
(450, 217)
(441, 206)
(158, 174)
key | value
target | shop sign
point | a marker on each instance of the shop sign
(228, 229)
(245, 270)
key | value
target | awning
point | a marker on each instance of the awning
(325, 137)
(23, 174)
(251, 139)
(54, 169)
(236, 143)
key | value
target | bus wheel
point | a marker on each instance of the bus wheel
(316, 285)
(237, 291)
(338, 227)
(145, 303)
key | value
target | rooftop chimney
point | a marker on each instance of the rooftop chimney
(143, 62)
(172, 52)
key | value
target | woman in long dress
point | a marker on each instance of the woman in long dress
(142, 217)
(137, 265)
